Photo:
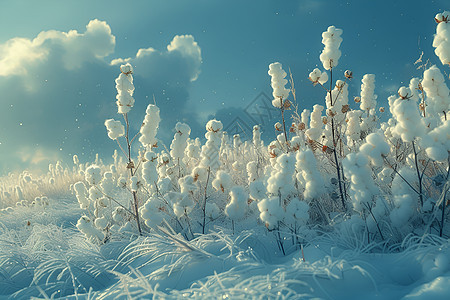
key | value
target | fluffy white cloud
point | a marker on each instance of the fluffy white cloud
(19, 54)
(182, 48)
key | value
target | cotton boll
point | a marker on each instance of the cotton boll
(93, 175)
(182, 203)
(270, 212)
(149, 171)
(187, 184)
(441, 40)
(81, 194)
(278, 83)
(406, 113)
(152, 212)
(331, 53)
(368, 97)
(150, 126)
(238, 205)
(308, 174)
(211, 150)
(115, 129)
(214, 125)
(125, 89)
(323, 78)
(107, 183)
(438, 97)
(252, 171)
(179, 141)
(199, 174)
(256, 136)
(315, 130)
(281, 180)
(437, 142)
(223, 181)
(297, 142)
(315, 75)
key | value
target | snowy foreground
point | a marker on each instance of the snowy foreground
(42, 255)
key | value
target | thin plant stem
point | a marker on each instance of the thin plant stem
(419, 177)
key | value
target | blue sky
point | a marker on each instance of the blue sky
(58, 90)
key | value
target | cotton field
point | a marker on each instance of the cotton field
(349, 201)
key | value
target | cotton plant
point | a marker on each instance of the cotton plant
(210, 151)
(280, 94)
(332, 40)
(238, 204)
(368, 102)
(441, 40)
(437, 95)
(179, 143)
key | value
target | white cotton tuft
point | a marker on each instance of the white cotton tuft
(270, 212)
(81, 194)
(278, 82)
(437, 142)
(115, 129)
(362, 185)
(238, 205)
(368, 97)
(210, 151)
(331, 53)
(375, 148)
(438, 94)
(214, 126)
(316, 124)
(149, 168)
(441, 39)
(150, 126)
(406, 113)
(125, 89)
(187, 184)
(309, 175)
(93, 175)
(179, 142)
(317, 76)
(223, 181)
(152, 212)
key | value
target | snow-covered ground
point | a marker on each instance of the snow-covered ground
(42, 254)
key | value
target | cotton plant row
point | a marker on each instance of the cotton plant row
(31, 190)
(391, 173)
(334, 163)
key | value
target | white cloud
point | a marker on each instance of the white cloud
(183, 45)
(19, 54)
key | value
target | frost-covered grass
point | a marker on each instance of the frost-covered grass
(49, 258)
